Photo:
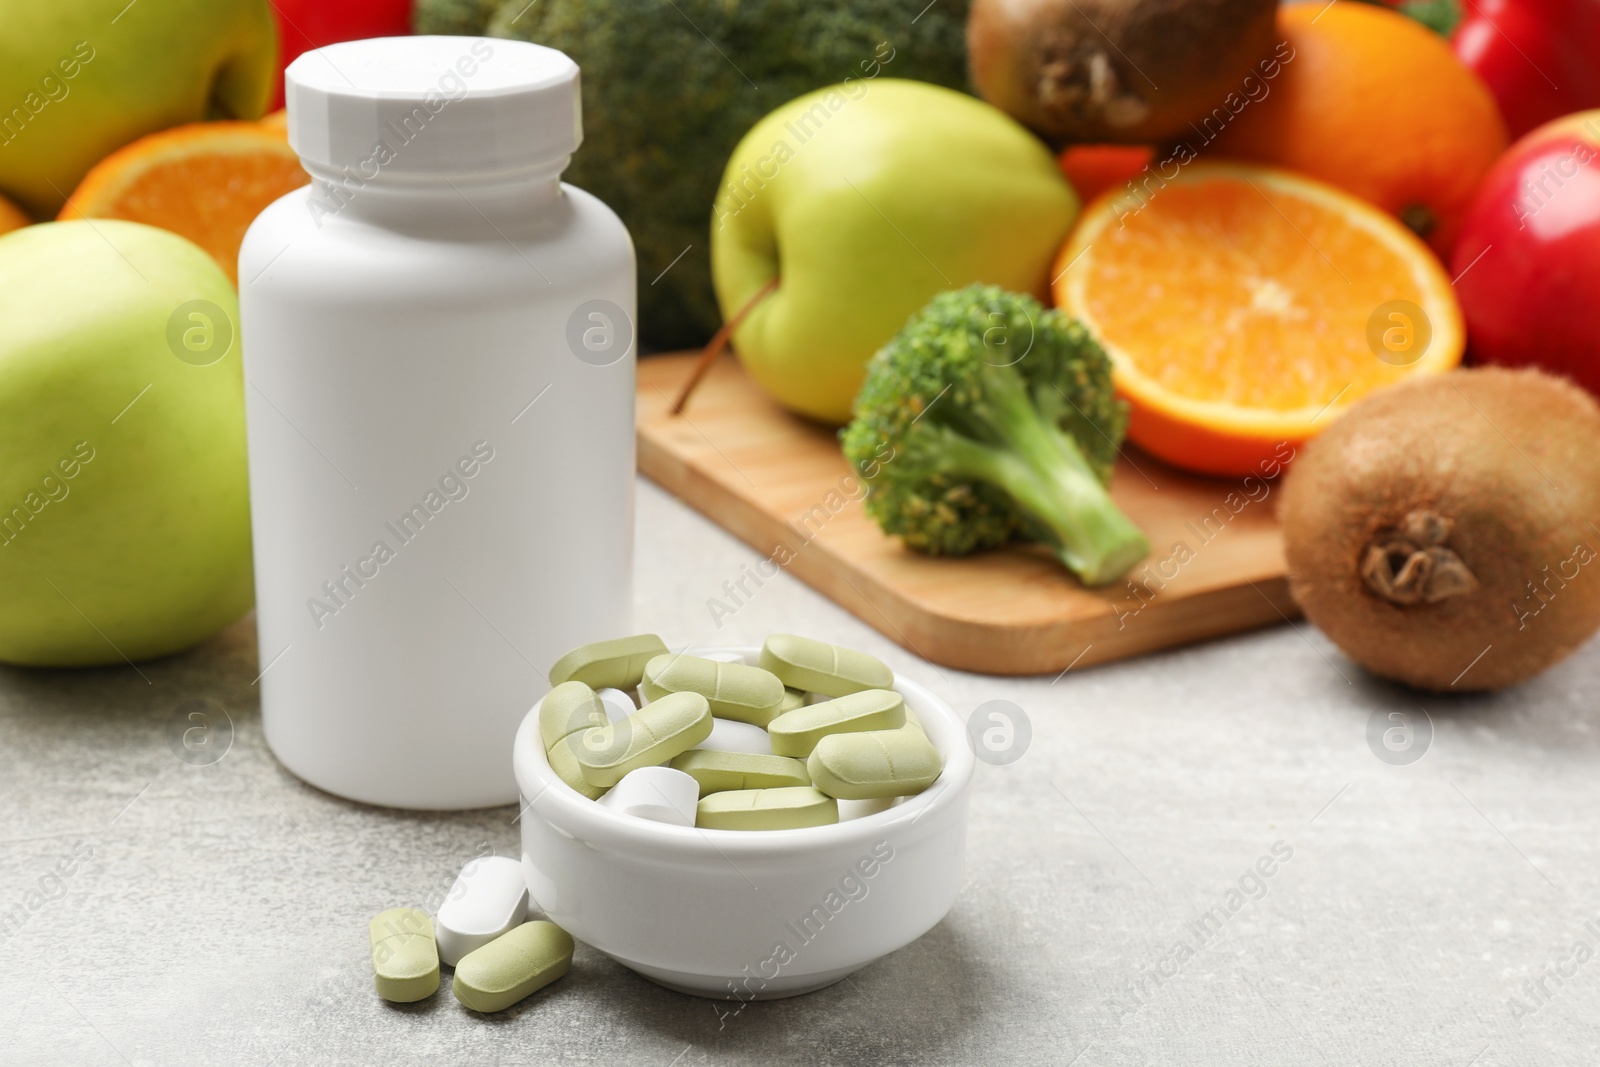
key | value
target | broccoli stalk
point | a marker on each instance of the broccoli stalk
(966, 444)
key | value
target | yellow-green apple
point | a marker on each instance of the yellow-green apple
(81, 78)
(124, 504)
(863, 201)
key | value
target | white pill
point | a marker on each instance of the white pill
(857, 809)
(618, 705)
(489, 898)
(730, 736)
(726, 657)
(660, 794)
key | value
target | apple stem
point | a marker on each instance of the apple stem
(718, 342)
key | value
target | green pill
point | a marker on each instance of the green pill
(735, 690)
(875, 764)
(718, 772)
(818, 667)
(796, 733)
(405, 960)
(514, 965)
(564, 762)
(568, 708)
(792, 698)
(766, 809)
(654, 734)
(615, 664)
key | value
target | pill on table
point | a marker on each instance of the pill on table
(718, 772)
(730, 736)
(796, 733)
(819, 667)
(489, 897)
(659, 794)
(615, 664)
(568, 708)
(879, 763)
(618, 705)
(512, 966)
(767, 809)
(405, 961)
(654, 734)
(735, 690)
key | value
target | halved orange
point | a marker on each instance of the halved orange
(1244, 308)
(206, 181)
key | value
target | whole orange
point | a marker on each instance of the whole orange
(1378, 105)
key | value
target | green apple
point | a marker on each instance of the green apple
(124, 503)
(864, 201)
(81, 78)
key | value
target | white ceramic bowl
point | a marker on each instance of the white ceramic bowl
(747, 914)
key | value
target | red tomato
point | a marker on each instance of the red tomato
(1528, 263)
(1540, 58)
(307, 24)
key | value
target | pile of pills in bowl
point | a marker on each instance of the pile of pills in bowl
(716, 743)
(693, 741)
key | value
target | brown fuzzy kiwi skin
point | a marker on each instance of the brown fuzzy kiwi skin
(1511, 458)
(1119, 71)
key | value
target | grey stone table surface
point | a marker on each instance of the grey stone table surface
(1442, 912)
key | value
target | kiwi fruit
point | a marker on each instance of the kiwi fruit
(1118, 71)
(1441, 532)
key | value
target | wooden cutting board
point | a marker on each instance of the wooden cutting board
(780, 484)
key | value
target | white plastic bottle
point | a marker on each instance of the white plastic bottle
(439, 364)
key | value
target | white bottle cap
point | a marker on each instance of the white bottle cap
(433, 105)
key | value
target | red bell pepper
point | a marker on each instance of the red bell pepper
(307, 24)
(1540, 58)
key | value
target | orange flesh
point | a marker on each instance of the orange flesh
(206, 182)
(1234, 292)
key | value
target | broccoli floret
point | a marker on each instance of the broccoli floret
(989, 418)
(453, 18)
(670, 88)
